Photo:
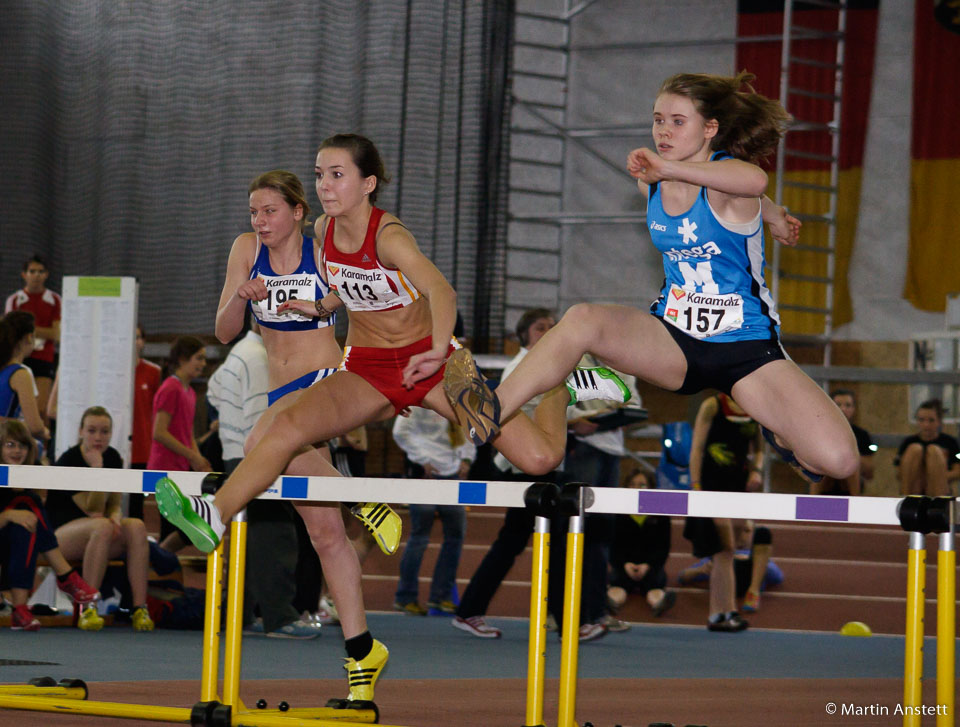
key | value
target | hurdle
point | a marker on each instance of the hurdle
(70, 695)
(586, 500)
(41, 695)
(920, 516)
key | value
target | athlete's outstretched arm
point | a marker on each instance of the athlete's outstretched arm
(734, 177)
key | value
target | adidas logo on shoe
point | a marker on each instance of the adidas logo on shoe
(596, 382)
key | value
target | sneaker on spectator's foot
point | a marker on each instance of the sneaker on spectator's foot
(790, 458)
(23, 620)
(614, 625)
(751, 602)
(381, 522)
(78, 589)
(665, 603)
(476, 406)
(196, 516)
(362, 675)
(297, 630)
(254, 628)
(446, 606)
(90, 620)
(477, 626)
(411, 608)
(551, 622)
(327, 613)
(731, 623)
(589, 632)
(596, 382)
(141, 619)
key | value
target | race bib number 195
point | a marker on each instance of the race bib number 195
(702, 315)
(280, 289)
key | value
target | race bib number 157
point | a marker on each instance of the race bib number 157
(702, 315)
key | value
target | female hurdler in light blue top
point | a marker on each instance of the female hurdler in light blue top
(714, 324)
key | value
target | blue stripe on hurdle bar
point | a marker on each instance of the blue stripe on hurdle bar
(472, 493)
(823, 508)
(148, 483)
(293, 487)
(659, 501)
(4, 476)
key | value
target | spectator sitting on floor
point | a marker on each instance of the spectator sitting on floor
(853, 485)
(753, 568)
(433, 448)
(927, 461)
(91, 526)
(25, 532)
(641, 545)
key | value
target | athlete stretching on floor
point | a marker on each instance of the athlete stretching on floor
(714, 323)
(402, 314)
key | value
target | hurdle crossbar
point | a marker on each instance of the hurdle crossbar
(753, 505)
(759, 506)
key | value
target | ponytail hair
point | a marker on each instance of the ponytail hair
(14, 326)
(750, 125)
(287, 185)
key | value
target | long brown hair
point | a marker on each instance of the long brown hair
(750, 125)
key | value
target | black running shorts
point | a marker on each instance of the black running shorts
(721, 365)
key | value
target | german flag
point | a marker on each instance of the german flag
(933, 265)
(765, 18)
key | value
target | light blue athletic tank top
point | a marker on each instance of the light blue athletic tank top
(713, 286)
(304, 283)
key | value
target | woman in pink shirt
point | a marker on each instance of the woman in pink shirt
(174, 448)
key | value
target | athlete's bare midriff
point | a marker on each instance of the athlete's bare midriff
(391, 328)
(292, 354)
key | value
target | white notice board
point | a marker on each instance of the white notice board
(97, 356)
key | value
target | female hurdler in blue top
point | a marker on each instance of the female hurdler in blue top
(714, 323)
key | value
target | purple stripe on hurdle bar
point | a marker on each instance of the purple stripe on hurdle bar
(823, 508)
(662, 502)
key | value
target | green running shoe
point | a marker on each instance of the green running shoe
(196, 516)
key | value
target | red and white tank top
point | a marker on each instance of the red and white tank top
(360, 279)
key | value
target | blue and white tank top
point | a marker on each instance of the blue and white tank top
(713, 286)
(9, 400)
(304, 283)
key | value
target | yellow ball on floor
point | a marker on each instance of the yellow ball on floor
(856, 628)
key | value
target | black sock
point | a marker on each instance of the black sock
(359, 646)
(66, 575)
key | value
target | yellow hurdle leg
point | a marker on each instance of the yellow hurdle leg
(571, 624)
(211, 626)
(537, 656)
(235, 568)
(946, 628)
(913, 657)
